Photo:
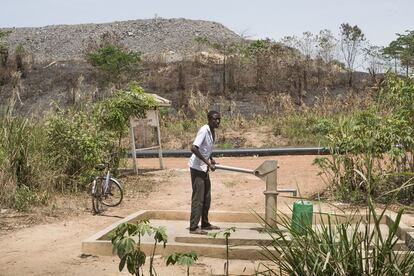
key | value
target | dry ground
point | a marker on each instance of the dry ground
(47, 241)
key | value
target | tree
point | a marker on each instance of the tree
(306, 45)
(258, 50)
(351, 41)
(326, 44)
(374, 58)
(402, 49)
(113, 113)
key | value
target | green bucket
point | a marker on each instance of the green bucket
(302, 216)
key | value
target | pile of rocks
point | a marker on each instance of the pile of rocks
(149, 36)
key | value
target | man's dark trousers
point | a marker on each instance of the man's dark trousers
(200, 199)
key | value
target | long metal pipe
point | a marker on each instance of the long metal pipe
(234, 169)
(237, 152)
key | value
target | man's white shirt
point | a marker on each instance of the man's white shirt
(204, 141)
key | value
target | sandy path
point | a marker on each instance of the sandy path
(55, 248)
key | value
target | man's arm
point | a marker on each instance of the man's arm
(196, 151)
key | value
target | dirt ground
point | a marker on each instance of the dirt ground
(51, 243)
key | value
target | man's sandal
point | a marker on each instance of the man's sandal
(210, 227)
(198, 231)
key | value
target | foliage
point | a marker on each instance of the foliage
(23, 168)
(75, 145)
(113, 59)
(61, 151)
(375, 59)
(160, 235)
(126, 248)
(113, 113)
(129, 251)
(326, 43)
(403, 49)
(226, 234)
(377, 141)
(257, 47)
(341, 245)
(187, 258)
(25, 197)
(351, 40)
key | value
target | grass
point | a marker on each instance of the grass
(353, 245)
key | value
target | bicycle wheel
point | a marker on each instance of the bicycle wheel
(96, 193)
(96, 205)
(113, 195)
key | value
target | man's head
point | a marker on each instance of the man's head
(213, 119)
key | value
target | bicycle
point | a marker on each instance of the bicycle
(105, 190)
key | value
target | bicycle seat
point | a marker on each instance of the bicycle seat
(100, 167)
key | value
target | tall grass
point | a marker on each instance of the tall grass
(25, 176)
(300, 125)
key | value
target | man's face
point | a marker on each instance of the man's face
(214, 121)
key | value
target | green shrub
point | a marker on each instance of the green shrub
(323, 126)
(113, 60)
(23, 198)
(75, 146)
(377, 141)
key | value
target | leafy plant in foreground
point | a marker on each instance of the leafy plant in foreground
(129, 251)
(226, 234)
(187, 259)
(160, 235)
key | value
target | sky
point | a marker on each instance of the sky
(379, 20)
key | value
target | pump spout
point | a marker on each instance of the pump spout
(264, 169)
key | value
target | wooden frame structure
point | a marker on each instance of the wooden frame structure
(152, 119)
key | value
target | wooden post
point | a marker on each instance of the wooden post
(159, 139)
(133, 150)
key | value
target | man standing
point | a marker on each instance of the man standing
(201, 162)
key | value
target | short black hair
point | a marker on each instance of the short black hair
(211, 113)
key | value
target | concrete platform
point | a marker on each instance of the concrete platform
(244, 242)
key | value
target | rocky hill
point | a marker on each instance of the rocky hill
(69, 42)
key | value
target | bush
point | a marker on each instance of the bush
(75, 146)
(113, 60)
(378, 142)
(24, 197)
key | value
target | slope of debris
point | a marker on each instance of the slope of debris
(148, 36)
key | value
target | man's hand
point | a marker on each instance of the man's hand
(212, 164)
